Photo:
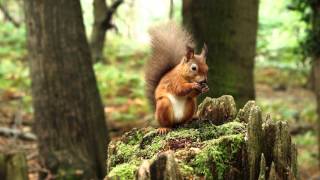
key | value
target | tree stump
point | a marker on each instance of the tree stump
(13, 166)
(222, 144)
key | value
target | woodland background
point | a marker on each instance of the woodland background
(276, 64)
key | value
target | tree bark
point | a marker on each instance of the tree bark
(13, 166)
(68, 112)
(171, 10)
(316, 60)
(316, 72)
(7, 15)
(102, 23)
(229, 28)
(98, 33)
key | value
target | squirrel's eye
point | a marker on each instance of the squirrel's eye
(194, 67)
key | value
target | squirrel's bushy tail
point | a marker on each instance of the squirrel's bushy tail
(168, 46)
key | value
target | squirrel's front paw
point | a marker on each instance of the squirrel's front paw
(197, 86)
(205, 89)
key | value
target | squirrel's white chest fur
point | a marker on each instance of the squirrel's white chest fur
(178, 106)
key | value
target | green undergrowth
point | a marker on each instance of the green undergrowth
(307, 150)
(195, 146)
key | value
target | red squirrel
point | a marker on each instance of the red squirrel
(174, 75)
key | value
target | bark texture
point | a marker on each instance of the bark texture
(229, 28)
(98, 33)
(13, 166)
(8, 16)
(316, 72)
(316, 62)
(68, 112)
(102, 14)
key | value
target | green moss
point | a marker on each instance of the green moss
(153, 148)
(133, 137)
(232, 128)
(213, 132)
(211, 145)
(124, 171)
(218, 152)
(190, 133)
(186, 170)
(124, 153)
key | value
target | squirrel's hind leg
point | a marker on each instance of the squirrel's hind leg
(191, 110)
(164, 115)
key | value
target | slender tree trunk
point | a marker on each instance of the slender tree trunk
(229, 28)
(316, 63)
(102, 23)
(171, 10)
(68, 112)
(316, 72)
(98, 33)
(8, 16)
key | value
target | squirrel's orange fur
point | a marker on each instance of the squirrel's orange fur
(175, 76)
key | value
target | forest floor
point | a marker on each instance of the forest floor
(283, 102)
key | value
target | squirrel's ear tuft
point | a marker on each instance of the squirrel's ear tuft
(190, 53)
(204, 51)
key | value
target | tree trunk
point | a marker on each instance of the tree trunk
(316, 61)
(68, 111)
(13, 166)
(171, 10)
(98, 33)
(8, 16)
(229, 28)
(316, 72)
(102, 23)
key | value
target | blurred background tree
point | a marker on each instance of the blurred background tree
(68, 113)
(102, 22)
(230, 29)
(310, 14)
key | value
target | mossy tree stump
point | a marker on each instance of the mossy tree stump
(13, 166)
(222, 144)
